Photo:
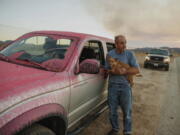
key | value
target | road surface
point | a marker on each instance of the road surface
(170, 110)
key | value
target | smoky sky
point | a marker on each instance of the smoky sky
(157, 20)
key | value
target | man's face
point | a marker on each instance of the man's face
(120, 44)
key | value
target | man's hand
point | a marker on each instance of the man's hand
(106, 73)
(133, 71)
(121, 71)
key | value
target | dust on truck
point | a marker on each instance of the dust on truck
(50, 80)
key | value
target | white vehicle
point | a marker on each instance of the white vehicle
(157, 58)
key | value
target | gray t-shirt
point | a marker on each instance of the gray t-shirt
(125, 57)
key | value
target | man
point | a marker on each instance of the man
(119, 89)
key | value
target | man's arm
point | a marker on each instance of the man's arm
(106, 67)
(132, 71)
(134, 66)
(129, 71)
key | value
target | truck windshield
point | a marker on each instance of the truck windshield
(159, 52)
(38, 49)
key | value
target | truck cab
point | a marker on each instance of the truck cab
(50, 80)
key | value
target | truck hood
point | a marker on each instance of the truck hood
(19, 82)
(157, 55)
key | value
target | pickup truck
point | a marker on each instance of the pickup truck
(157, 58)
(50, 80)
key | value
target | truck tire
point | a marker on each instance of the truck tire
(145, 66)
(167, 68)
(37, 129)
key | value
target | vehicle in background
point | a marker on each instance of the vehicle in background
(157, 58)
(50, 80)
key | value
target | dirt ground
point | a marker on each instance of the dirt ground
(156, 97)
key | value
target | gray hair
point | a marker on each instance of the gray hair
(119, 36)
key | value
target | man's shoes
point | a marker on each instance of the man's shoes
(113, 132)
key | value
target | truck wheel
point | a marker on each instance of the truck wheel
(145, 65)
(37, 129)
(167, 68)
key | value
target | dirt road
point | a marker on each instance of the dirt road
(156, 104)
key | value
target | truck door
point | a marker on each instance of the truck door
(88, 90)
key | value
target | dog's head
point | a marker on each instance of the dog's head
(112, 61)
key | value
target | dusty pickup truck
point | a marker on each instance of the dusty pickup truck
(158, 58)
(50, 80)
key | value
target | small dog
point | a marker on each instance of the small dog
(116, 67)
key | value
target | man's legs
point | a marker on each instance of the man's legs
(113, 103)
(125, 101)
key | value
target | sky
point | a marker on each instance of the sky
(145, 23)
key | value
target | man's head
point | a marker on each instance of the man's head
(120, 43)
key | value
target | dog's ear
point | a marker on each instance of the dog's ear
(115, 59)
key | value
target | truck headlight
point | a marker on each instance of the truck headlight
(167, 60)
(147, 58)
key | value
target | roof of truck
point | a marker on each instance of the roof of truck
(73, 34)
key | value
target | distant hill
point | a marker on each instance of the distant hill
(4, 44)
(147, 49)
(1, 42)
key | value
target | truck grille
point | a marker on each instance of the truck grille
(156, 58)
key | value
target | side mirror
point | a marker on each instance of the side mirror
(170, 55)
(90, 66)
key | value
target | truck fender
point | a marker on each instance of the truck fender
(33, 115)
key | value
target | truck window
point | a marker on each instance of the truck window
(93, 50)
(110, 46)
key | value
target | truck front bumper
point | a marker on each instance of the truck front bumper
(156, 64)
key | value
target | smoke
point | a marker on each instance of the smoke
(157, 20)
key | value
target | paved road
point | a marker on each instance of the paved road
(170, 111)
